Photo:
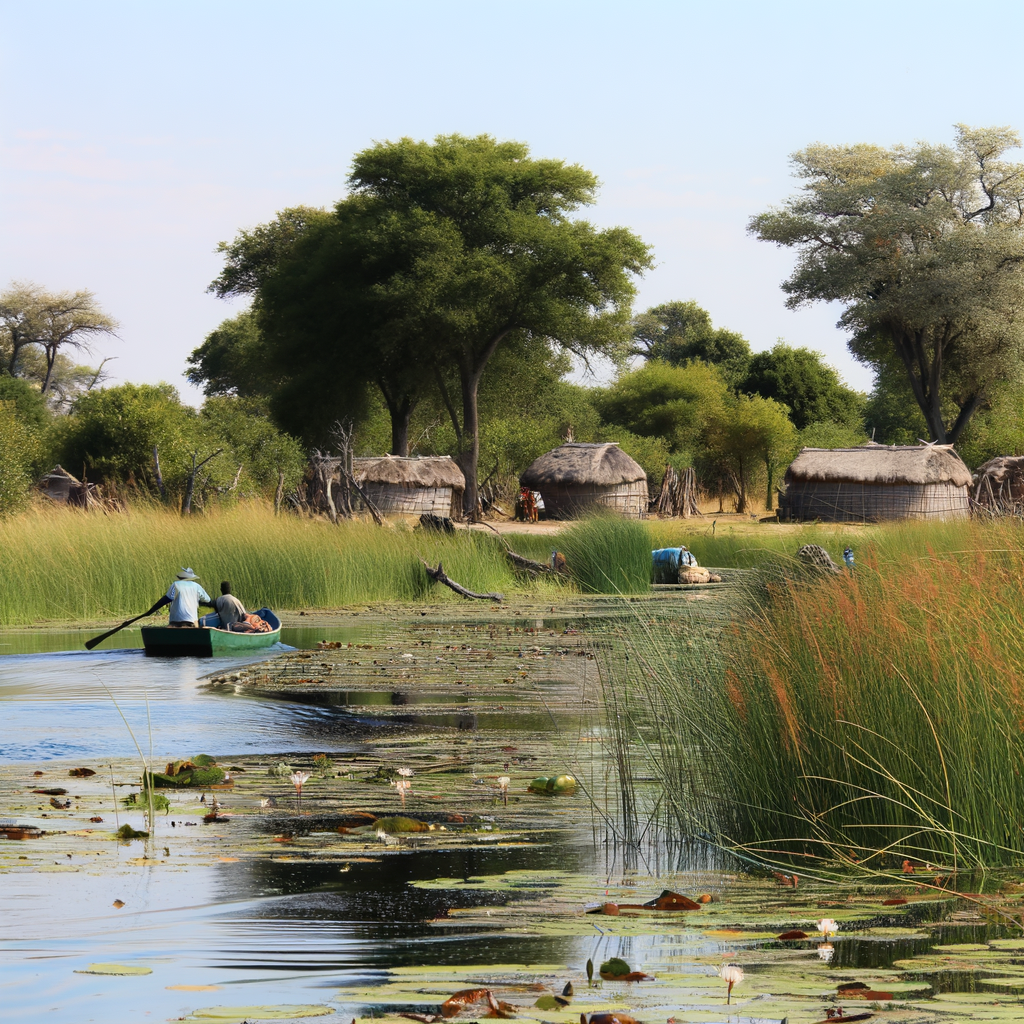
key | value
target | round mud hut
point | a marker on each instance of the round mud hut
(576, 477)
(412, 486)
(999, 483)
(876, 482)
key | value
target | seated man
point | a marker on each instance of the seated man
(229, 608)
(185, 596)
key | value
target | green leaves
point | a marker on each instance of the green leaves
(925, 247)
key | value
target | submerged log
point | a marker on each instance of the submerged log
(440, 576)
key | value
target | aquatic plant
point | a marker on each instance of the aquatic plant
(855, 721)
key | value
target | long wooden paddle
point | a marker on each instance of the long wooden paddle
(90, 644)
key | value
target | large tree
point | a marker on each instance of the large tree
(799, 379)
(925, 247)
(679, 332)
(483, 251)
(52, 323)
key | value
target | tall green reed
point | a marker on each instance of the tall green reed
(606, 554)
(66, 565)
(858, 719)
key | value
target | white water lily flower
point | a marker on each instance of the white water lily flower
(826, 951)
(827, 927)
(406, 773)
(503, 781)
(299, 779)
(731, 974)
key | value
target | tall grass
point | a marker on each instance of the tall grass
(873, 715)
(65, 565)
(607, 554)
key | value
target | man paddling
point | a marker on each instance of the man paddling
(185, 596)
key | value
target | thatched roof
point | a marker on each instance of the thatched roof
(60, 473)
(573, 463)
(433, 471)
(1002, 467)
(880, 464)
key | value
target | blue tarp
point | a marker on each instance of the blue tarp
(667, 562)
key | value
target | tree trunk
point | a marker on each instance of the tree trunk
(400, 429)
(400, 410)
(51, 356)
(469, 457)
(770, 470)
(190, 486)
(159, 476)
(741, 480)
(279, 493)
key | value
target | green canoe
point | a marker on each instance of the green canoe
(208, 640)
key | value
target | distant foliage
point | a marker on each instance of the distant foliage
(17, 451)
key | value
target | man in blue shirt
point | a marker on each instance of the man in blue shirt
(185, 596)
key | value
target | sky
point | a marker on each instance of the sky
(136, 136)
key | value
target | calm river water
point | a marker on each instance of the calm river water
(276, 933)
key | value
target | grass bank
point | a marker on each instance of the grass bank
(864, 718)
(68, 566)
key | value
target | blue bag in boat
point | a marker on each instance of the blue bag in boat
(666, 565)
(667, 562)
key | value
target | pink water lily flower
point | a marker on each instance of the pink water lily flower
(827, 927)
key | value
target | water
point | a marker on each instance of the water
(61, 701)
(268, 931)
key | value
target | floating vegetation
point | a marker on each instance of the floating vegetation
(124, 970)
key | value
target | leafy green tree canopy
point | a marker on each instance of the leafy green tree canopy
(799, 379)
(231, 361)
(924, 245)
(256, 253)
(749, 433)
(469, 246)
(679, 332)
(26, 402)
(661, 400)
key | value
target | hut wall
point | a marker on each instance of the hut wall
(394, 499)
(629, 500)
(839, 501)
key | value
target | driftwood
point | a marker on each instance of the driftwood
(440, 576)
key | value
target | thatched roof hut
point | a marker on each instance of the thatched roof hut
(412, 486)
(575, 477)
(60, 486)
(999, 483)
(875, 482)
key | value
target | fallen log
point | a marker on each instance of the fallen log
(528, 564)
(440, 576)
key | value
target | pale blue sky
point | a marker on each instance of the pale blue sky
(135, 136)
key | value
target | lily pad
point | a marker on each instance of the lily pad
(239, 1013)
(115, 969)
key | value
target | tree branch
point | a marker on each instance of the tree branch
(439, 576)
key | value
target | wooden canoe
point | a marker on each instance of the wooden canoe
(206, 641)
